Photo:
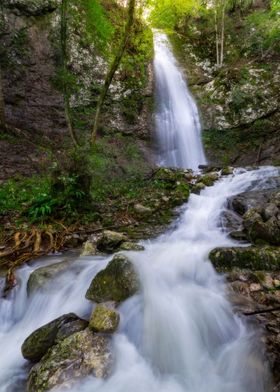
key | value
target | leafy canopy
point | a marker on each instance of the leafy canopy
(166, 13)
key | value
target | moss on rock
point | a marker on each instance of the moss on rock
(37, 344)
(117, 282)
(254, 258)
(77, 356)
(104, 318)
(110, 241)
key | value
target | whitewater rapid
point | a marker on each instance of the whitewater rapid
(177, 120)
(179, 334)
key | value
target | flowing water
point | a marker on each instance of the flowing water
(179, 334)
(177, 119)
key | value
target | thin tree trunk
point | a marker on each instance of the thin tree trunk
(64, 56)
(223, 33)
(113, 68)
(2, 104)
(217, 40)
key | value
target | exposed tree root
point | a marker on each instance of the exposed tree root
(23, 246)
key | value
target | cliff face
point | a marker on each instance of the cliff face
(28, 63)
(239, 102)
(32, 73)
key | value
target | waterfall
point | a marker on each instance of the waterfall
(179, 333)
(177, 120)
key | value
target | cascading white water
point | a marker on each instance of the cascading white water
(179, 334)
(177, 119)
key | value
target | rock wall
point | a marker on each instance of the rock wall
(30, 61)
(239, 102)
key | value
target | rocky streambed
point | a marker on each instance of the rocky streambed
(81, 342)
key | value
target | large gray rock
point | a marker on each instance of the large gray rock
(41, 277)
(110, 241)
(79, 355)
(254, 199)
(116, 282)
(37, 344)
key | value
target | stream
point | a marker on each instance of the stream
(179, 333)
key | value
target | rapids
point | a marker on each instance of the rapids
(179, 334)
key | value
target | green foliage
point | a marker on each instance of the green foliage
(167, 13)
(64, 193)
(264, 32)
(99, 29)
(64, 77)
(17, 193)
(133, 71)
(240, 99)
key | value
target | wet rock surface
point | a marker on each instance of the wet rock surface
(110, 241)
(42, 277)
(259, 211)
(104, 318)
(253, 271)
(79, 355)
(38, 343)
(257, 296)
(254, 258)
(117, 282)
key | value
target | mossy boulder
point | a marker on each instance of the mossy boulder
(37, 344)
(117, 282)
(227, 170)
(42, 277)
(110, 241)
(198, 187)
(253, 258)
(131, 246)
(89, 249)
(209, 179)
(260, 231)
(104, 318)
(79, 355)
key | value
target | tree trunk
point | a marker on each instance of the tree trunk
(217, 40)
(223, 33)
(113, 68)
(2, 105)
(64, 56)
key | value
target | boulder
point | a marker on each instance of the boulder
(131, 246)
(110, 241)
(227, 170)
(142, 210)
(254, 258)
(260, 231)
(37, 344)
(230, 221)
(253, 199)
(117, 282)
(41, 277)
(89, 249)
(198, 187)
(79, 355)
(209, 179)
(104, 318)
